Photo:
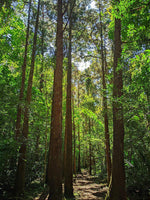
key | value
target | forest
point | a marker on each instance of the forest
(74, 99)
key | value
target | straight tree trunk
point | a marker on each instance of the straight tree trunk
(68, 184)
(117, 186)
(90, 149)
(46, 130)
(79, 166)
(86, 150)
(19, 108)
(84, 132)
(20, 176)
(55, 145)
(105, 113)
(74, 142)
(42, 51)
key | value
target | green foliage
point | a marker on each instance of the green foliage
(8, 146)
(137, 123)
(88, 115)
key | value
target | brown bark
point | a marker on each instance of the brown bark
(148, 110)
(19, 108)
(84, 132)
(105, 112)
(79, 166)
(74, 142)
(42, 52)
(46, 129)
(90, 149)
(117, 186)
(86, 150)
(20, 176)
(55, 145)
(68, 184)
(106, 122)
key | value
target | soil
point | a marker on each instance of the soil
(86, 188)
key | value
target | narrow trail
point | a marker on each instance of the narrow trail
(85, 188)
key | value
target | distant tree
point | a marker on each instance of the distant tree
(105, 110)
(79, 142)
(74, 138)
(19, 109)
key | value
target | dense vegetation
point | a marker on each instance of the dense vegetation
(78, 102)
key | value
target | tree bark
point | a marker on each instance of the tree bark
(117, 186)
(79, 166)
(46, 130)
(19, 108)
(42, 51)
(68, 184)
(74, 142)
(20, 176)
(90, 149)
(105, 112)
(55, 145)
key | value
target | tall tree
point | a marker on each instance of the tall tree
(68, 184)
(74, 139)
(105, 112)
(79, 164)
(20, 176)
(19, 109)
(90, 149)
(55, 145)
(117, 186)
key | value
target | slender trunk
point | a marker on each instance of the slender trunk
(107, 140)
(68, 184)
(105, 113)
(42, 52)
(19, 108)
(55, 145)
(74, 142)
(94, 163)
(79, 166)
(20, 177)
(117, 186)
(90, 149)
(148, 110)
(37, 146)
(46, 129)
(86, 151)
(84, 132)
(64, 155)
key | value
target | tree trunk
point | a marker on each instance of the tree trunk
(79, 166)
(68, 184)
(19, 108)
(42, 52)
(46, 130)
(55, 145)
(90, 149)
(117, 186)
(20, 177)
(74, 141)
(107, 143)
(107, 140)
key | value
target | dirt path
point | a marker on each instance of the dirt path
(85, 188)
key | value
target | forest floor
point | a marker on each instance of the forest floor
(85, 187)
